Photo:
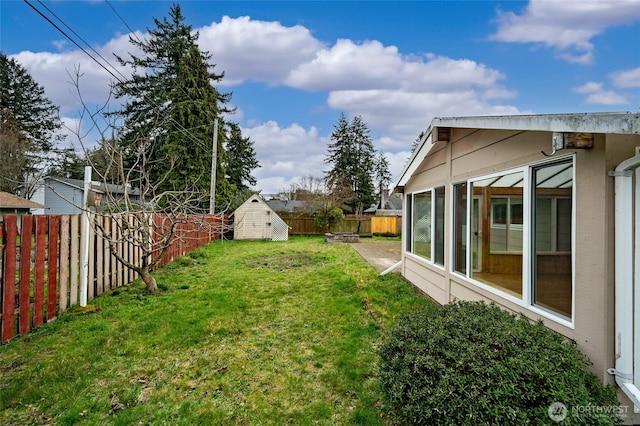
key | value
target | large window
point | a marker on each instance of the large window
(520, 234)
(438, 239)
(422, 224)
(425, 216)
(497, 231)
(552, 213)
(460, 227)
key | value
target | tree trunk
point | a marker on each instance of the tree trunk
(149, 281)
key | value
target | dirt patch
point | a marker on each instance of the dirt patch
(284, 261)
(381, 254)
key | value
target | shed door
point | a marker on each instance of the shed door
(258, 225)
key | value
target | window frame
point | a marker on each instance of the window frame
(410, 206)
(528, 282)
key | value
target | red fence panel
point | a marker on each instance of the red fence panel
(42, 281)
(25, 275)
(10, 235)
(38, 310)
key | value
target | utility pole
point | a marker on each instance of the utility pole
(214, 155)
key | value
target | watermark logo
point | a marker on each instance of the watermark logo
(557, 411)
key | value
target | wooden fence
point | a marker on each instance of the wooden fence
(361, 225)
(40, 263)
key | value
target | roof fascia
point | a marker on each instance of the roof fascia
(606, 122)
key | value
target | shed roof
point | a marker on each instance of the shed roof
(597, 122)
(8, 200)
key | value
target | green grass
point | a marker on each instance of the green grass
(243, 333)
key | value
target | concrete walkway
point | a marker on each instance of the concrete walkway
(381, 254)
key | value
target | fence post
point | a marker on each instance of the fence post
(84, 241)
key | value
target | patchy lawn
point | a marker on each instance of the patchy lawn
(242, 333)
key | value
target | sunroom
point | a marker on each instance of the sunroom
(520, 211)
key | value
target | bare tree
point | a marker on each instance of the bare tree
(133, 210)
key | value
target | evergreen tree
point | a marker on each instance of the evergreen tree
(352, 157)
(29, 124)
(382, 175)
(240, 158)
(71, 165)
(416, 143)
(171, 101)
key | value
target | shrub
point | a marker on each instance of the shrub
(473, 363)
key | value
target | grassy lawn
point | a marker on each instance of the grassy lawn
(242, 333)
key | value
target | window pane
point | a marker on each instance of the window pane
(439, 224)
(552, 269)
(409, 222)
(563, 219)
(497, 232)
(460, 227)
(422, 224)
(543, 224)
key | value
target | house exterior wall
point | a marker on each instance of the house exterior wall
(478, 152)
(62, 198)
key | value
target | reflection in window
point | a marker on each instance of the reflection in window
(506, 224)
(497, 232)
(504, 213)
(552, 269)
(460, 227)
(439, 227)
(422, 224)
(408, 211)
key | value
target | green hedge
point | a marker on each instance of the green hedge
(473, 363)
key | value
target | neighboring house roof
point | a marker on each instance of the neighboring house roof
(393, 202)
(97, 186)
(438, 131)
(286, 206)
(13, 201)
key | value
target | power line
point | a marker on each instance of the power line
(84, 41)
(70, 39)
(122, 19)
(180, 127)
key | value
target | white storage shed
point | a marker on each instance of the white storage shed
(255, 220)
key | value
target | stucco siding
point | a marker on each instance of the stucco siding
(428, 279)
(487, 151)
(587, 315)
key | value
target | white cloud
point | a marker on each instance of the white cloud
(370, 65)
(56, 72)
(285, 154)
(596, 94)
(626, 79)
(247, 49)
(567, 26)
(397, 95)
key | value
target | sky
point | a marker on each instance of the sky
(293, 67)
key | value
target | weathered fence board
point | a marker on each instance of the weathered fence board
(40, 263)
(25, 275)
(10, 235)
(52, 256)
(74, 260)
(64, 264)
(38, 310)
(361, 225)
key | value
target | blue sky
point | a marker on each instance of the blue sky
(294, 66)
